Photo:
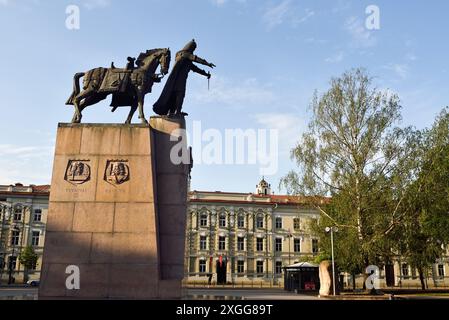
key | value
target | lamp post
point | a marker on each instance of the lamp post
(10, 265)
(289, 236)
(332, 230)
(5, 209)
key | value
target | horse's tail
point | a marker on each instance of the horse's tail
(76, 87)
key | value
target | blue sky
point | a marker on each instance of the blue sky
(270, 57)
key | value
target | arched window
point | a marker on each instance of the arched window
(203, 219)
(241, 220)
(222, 220)
(259, 221)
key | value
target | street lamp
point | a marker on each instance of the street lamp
(289, 236)
(332, 230)
(5, 209)
(10, 265)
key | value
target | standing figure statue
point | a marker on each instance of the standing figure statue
(128, 85)
(172, 96)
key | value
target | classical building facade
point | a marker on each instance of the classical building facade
(23, 217)
(249, 237)
(246, 236)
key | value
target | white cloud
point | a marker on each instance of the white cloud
(26, 164)
(315, 40)
(338, 57)
(341, 5)
(410, 57)
(276, 15)
(285, 12)
(219, 2)
(5, 2)
(288, 125)
(400, 69)
(308, 14)
(361, 36)
(95, 4)
(237, 93)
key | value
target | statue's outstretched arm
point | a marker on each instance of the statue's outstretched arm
(202, 61)
(194, 68)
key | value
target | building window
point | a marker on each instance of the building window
(259, 221)
(221, 243)
(222, 220)
(241, 221)
(17, 214)
(259, 266)
(35, 238)
(314, 245)
(278, 268)
(37, 215)
(404, 270)
(203, 242)
(240, 243)
(278, 223)
(297, 245)
(278, 246)
(296, 224)
(203, 220)
(259, 244)
(240, 266)
(15, 238)
(441, 270)
(202, 266)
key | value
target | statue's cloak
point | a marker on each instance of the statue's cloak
(176, 82)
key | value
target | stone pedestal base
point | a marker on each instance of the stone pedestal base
(117, 213)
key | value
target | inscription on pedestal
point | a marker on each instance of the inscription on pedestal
(77, 172)
(116, 172)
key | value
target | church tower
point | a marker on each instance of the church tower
(263, 188)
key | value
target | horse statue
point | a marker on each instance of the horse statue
(128, 86)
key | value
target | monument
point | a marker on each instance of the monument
(117, 211)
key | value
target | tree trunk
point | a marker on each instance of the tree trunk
(421, 278)
(25, 275)
(353, 281)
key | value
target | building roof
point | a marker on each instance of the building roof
(250, 198)
(20, 189)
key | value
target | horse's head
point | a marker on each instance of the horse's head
(164, 60)
(150, 59)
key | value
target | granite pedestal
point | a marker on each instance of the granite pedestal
(117, 211)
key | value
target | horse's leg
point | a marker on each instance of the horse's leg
(140, 102)
(93, 99)
(77, 102)
(131, 114)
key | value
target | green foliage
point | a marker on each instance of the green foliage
(354, 152)
(425, 229)
(28, 257)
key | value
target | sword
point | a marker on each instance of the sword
(208, 82)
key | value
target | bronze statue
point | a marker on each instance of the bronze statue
(172, 96)
(128, 86)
